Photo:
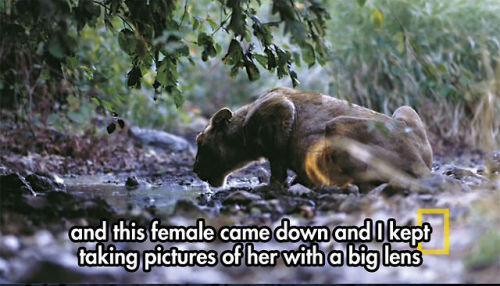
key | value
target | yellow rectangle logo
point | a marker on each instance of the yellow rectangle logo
(446, 219)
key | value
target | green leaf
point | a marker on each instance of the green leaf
(271, 59)
(252, 70)
(127, 41)
(212, 23)
(177, 97)
(308, 54)
(293, 77)
(134, 77)
(361, 3)
(283, 61)
(237, 23)
(111, 128)
(121, 123)
(400, 42)
(167, 73)
(377, 19)
(234, 53)
(72, 62)
(296, 59)
(207, 42)
(196, 23)
(262, 60)
(262, 32)
(56, 49)
(96, 101)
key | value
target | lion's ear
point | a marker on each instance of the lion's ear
(222, 117)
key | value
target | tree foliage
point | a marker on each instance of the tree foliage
(39, 39)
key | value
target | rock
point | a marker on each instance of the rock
(352, 189)
(219, 195)
(293, 205)
(132, 182)
(97, 208)
(465, 175)
(4, 268)
(299, 190)
(307, 211)
(4, 171)
(9, 245)
(275, 206)
(426, 197)
(438, 183)
(191, 129)
(262, 206)
(457, 172)
(60, 198)
(493, 162)
(481, 170)
(255, 211)
(14, 184)
(160, 139)
(262, 175)
(44, 183)
(187, 208)
(351, 204)
(329, 189)
(60, 267)
(241, 197)
(43, 238)
(203, 199)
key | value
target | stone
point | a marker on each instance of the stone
(299, 190)
(241, 197)
(44, 183)
(262, 175)
(261, 205)
(132, 182)
(160, 139)
(352, 189)
(4, 171)
(187, 208)
(14, 184)
(456, 172)
(9, 245)
(439, 183)
(493, 162)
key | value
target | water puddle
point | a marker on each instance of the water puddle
(113, 191)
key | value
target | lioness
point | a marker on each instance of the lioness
(324, 140)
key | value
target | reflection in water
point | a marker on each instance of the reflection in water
(163, 197)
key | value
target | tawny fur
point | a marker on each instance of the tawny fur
(289, 127)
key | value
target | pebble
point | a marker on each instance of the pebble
(4, 171)
(261, 205)
(15, 184)
(9, 245)
(132, 182)
(493, 162)
(43, 238)
(262, 175)
(44, 183)
(4, 268)
(299, 190)
(187, 207)
(241, 197)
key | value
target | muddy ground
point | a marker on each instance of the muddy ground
(50, 181)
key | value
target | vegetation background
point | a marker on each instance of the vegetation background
(63, 62)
